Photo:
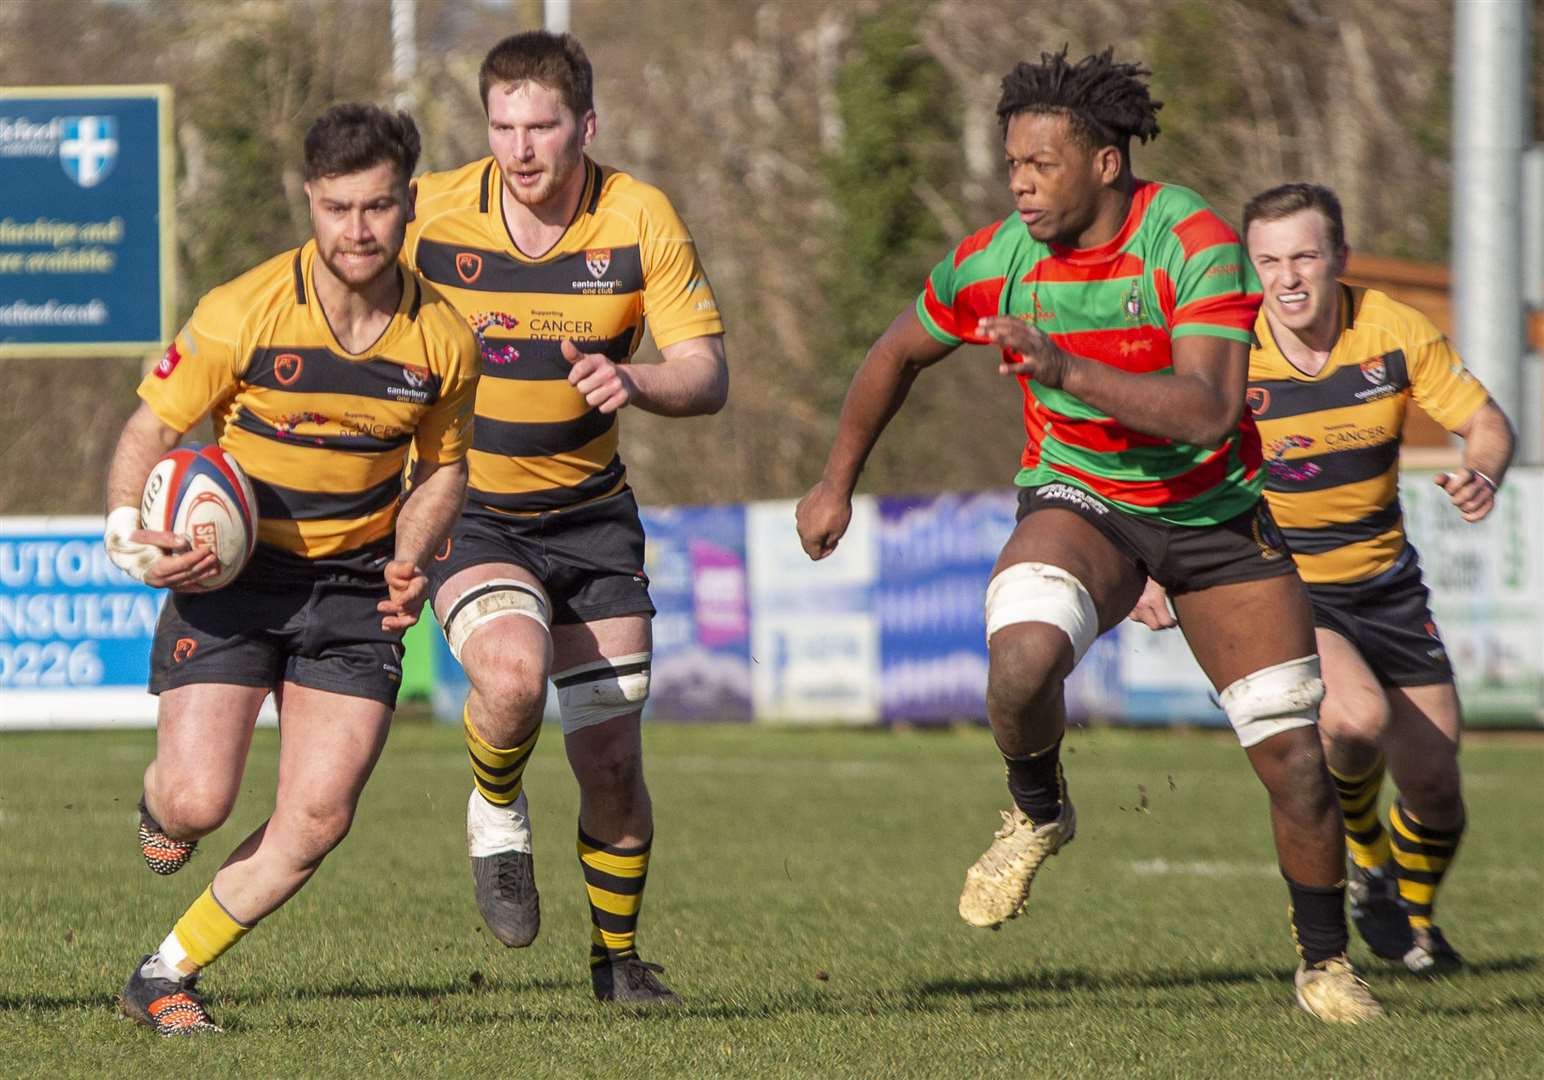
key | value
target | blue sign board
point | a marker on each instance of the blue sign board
(86, 220)
(75, 631)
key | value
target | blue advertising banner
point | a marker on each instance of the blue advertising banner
(86, 226)
(696, 562)
(75, 631)
(936, 556)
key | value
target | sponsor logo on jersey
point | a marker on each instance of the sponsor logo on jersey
(469, 266)
(286, 368)
(1287, 472)
(1258, 398)
(415, 377)
(168, 362)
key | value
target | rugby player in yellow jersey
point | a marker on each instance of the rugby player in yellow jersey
(319, 368)
(1329, 385)
(556, 261)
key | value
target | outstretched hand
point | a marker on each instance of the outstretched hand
(1039, 357)
(822, 517)
(605, 385)
(406, 589)
(1471, 491)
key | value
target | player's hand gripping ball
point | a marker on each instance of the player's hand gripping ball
(202, 494)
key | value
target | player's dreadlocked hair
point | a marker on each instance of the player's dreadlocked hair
(1106, 102)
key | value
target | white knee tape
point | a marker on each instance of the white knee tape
(593, 693)
(491, 600)
(1039, 592)
(1274, 699)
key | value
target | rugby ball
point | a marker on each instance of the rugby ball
(201, 493)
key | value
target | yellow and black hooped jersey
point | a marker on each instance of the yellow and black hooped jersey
(1331, 440)
(321, 432)
(626, 256)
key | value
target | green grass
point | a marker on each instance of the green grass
(802, 896)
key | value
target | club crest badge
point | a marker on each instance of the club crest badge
(286, 368)
(469, 266)
(1133, 304)
(597, 261)
(1375, 371)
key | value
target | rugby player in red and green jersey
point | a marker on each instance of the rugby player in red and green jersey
(1123, 306)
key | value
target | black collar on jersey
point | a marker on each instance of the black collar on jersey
(405, 279)
(300, 279)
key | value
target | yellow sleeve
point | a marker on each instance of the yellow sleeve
(1440, 383)
(445, 431)
(199, 368)
(677, 299)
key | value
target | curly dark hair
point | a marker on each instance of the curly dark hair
(352, 137)
(1105, 101)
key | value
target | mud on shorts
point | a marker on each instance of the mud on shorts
(285, 619)
(1181, 558)
(1388, 619)
(589, 557)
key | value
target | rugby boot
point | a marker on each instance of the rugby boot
(1331, 991)
(170, 1007)
(632, 981)
(162, 854)
(1376, 912)
(1430, 953)
(503, 873)
(997, 886)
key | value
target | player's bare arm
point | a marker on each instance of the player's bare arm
(1199, 404)
(1488, 444)
(161, 560)
(692, 379)
(876, 394)
(438, 491)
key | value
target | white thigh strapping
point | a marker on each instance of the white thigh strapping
(489, 600)
(1274, 699)
(1040, 592)
(592, 693)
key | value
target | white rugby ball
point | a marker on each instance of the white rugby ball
(202, 494)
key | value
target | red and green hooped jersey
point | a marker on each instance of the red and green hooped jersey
(1175, 268)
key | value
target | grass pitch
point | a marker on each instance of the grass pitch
(802, 897)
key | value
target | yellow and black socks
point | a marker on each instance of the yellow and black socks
(614, 879)
(1318, 916)
(1366, 840)
(498, 774)
(1036, 783)
(1421, 856)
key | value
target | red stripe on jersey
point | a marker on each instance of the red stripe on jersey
(937, 311)
(1163, 285)
(1053, 269)
(1034, 425)
(1235, 310)
(1201, 230)
(1146, 191)
(1103, 435)
(1133, 348)
(1187, 485)
(978, 300)
(976, 241)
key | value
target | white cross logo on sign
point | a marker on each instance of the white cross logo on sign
(89, 148)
